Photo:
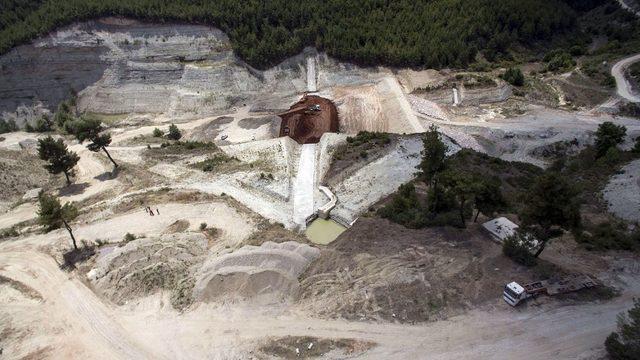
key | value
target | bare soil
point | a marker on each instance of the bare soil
(307, 126)
(21, 171)
(285, 348)
(378, 270)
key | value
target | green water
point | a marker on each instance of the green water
(323, 231)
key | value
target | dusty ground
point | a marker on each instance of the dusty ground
(378, 270)
(622, 193)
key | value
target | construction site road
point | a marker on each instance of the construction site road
(105, 331)
(622, 83)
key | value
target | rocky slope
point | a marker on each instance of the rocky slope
(121, 66)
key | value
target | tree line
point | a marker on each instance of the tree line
(549, 204)
(433, 33)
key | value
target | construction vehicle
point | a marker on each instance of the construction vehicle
(515, 293)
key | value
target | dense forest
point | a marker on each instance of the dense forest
(425, 33)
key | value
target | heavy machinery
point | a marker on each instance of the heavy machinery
(515, 293)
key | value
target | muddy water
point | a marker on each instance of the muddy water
(324, 231)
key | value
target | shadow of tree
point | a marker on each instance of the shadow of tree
(108, 175)
(73, 189)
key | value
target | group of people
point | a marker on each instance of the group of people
(149, 211)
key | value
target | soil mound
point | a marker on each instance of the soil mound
(268, 272)
(145, 265)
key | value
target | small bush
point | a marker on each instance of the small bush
(212, 232)
(404, 208)
(128, 237)
(174, 133)
(158, 133)
(514, 77)
(7, 233)
(559, 60)
(364, 137)
(7, 126)
(43, 124)
(203, 226)
(187, 145)
(625, 344)
(518, 249)
(630, 110)
(609, 236)
(214, 162)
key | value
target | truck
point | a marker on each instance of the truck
(515, 293)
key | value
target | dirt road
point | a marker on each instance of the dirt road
(94, 329)
(622, 83)
(627, 5)
(68, 307)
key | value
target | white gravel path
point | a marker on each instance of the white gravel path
(622, 83)
(622, 193)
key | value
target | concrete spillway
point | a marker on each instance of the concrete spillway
(303, 186)
(311, 75)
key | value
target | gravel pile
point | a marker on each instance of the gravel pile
(266, 273)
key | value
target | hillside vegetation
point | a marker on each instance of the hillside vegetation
(432, 33)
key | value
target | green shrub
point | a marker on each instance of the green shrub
(404, 208)
(577, 50)
(214, 162)
(518, 248)
(43, 124)
(630, 110)
(7, 233)
(158, 133)
(187, 145)
(559, 60)
(203, 226)
(64, 114)
(364, 137)
(174, 132)
(625, 343)
(7, 126)
(128, 237)
(609, 235)
(609, 135)
(514, 77)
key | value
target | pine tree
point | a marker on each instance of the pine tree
(60, 159)
(52, 215)
(433, 161)
(552, 202)
(91, 129)
(625, 343)
(609, 135)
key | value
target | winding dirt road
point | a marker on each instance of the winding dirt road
(72, 321)
(622, 83)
